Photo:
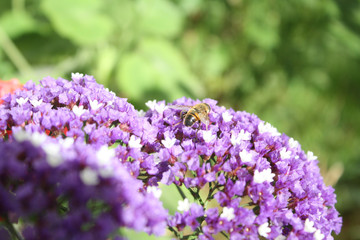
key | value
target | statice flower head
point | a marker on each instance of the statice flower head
(81, 109)
(262, 181)
(246, 179)
(85, 111)
(84, 194)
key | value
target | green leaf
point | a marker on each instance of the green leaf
(81, 21)
(191, 6)
(105, 63)
(134, 76)
(356, 15)
(16, 23)
(132, 235)
(217, 60)
(345, 38)
(159, 17)
(157, 69)
(261, 25)
(170, 197)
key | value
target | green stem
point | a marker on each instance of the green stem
(181, 192)
(174, 231)
(12, 230)
(211, 191)
(197, 196)
(222, 233)
(14, 53)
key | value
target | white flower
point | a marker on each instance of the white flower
(134, 142)
(53, 155)
(160, 108)
(151, 104)
(67, 142)
(280, 237)
(318, 235)
(284, 154)
(89, 177)
(227, 117)
(109, 103)
(155, 191)
(105, 155)
(52, 150)
(183, 205)
(75, 76)
(293, 143)
(310, 156)
(35, 138)
(246, 156)
(228, 213)
(267, 127)
(78, 110)
(95, 105)
(208, 136)
(263, 176)
(111, 92)
(264, 230)
(309, 226)
(21, 136)
(157, 160)
(38, 138)
(168, 142)
(36, 102)
(154, 106)
(241, 136)
(22, 101)
(141, 113)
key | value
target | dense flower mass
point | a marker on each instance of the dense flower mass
(262, 180)
(61, 188)
(248, 181)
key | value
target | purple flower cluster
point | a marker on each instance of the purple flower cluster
(263, 183)
(247, 179)
(68, 190)
(81, 109)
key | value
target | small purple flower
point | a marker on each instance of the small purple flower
(93, 190)
(249, 165)
(259, 182)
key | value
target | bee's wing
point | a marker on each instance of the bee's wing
(179, 107)
(204, 118)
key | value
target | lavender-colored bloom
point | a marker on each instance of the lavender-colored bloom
(88, 194)
(81, 109)
(263, 183)
(87, 112)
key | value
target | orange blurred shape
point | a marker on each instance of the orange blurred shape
(8, 87)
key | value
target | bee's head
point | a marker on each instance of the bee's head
(183, 114)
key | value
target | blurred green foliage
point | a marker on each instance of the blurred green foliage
(293, 63)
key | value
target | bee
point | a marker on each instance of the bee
(192, 114)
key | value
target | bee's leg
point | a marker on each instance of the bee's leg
(182, 115)
(198, 128)
(176, 124)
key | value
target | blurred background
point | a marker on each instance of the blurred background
(294, 63)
